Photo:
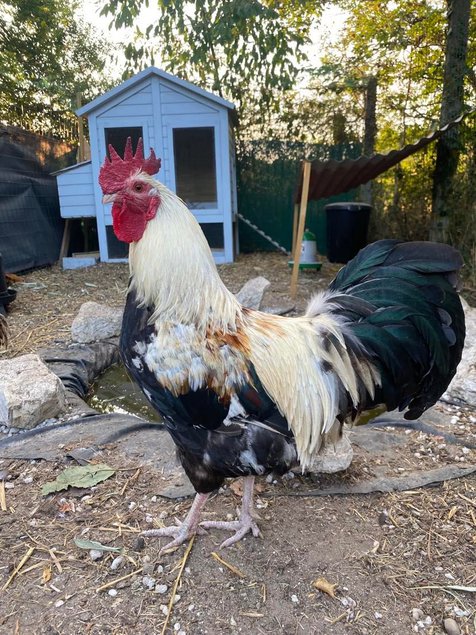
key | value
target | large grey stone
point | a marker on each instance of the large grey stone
(251, 293)
(463, 386)
(29, 392)
(96, 322)
(333, 457)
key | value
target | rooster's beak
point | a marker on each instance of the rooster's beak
(108, 198)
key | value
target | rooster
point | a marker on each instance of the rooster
(245, 393)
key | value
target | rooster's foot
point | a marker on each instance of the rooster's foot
(182, 531)
(241, 527)
(246, 521)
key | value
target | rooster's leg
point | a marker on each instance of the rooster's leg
(246, 521)
(183, 531)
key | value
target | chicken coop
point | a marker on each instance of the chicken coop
(190, 129)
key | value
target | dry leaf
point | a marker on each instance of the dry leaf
(66, 506)
(82, 543)
(325, 586)
(78, 476)
(46, 576)
(237, 487)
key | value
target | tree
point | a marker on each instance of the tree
(247, 51)
(47, 56)
(452, 104)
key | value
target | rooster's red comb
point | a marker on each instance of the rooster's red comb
(115, 170)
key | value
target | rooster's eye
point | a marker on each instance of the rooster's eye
(138, 187)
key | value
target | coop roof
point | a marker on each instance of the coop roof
(145, 74)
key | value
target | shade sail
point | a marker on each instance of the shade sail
(332, 177)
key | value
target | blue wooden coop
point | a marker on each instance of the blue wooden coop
(190, 129)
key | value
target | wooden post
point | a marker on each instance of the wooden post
(306, 177)
(295, 223)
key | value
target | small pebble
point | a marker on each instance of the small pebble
(138, 544)
(59, 603)
(377, 615)
(153, 499)
(117, 563)
(177, 626)
(176, 598)
(148, 581)
(451, 627)
(164, 609)
(295, 599)
(161, 588)
(112, 592)
(29, 479)
(9, 485)
(160, 569)
(95, 554)
(417, 614)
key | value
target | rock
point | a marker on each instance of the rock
(29, 392)
(251, 293)
(117, 563)
(161, 588)
(96, 322)
(148, 581)
(463, 385)
(417, 614)
(451, 627)
(335, 457)
(95, 554)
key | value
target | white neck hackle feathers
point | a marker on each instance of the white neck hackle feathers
(173, 270)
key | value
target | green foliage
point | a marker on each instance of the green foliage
(247, 51)
(47, 56)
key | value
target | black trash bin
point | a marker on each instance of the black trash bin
(347, 226)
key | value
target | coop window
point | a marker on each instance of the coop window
(195, 167)
(117, 137)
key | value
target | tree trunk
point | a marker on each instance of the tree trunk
(447, 147)
(370, 132)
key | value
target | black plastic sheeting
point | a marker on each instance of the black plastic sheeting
(79, 364)
(31, 228)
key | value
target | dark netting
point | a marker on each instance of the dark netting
(31, 227)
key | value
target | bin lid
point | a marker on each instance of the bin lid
(351, 206)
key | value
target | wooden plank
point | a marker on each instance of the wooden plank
(306, 176)
(65, 241)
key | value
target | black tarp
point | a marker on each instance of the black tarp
(31, 227)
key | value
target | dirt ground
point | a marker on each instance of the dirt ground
(402, 562)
